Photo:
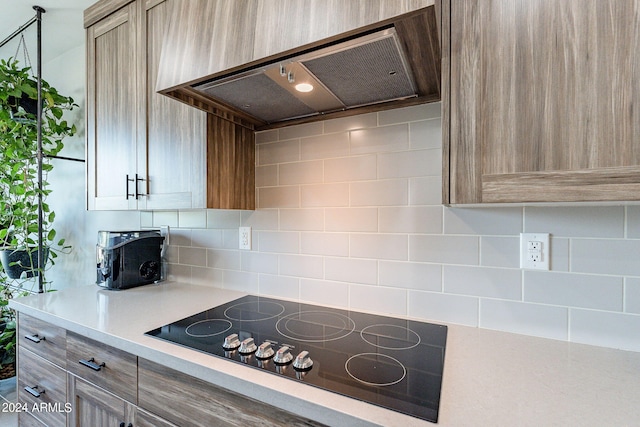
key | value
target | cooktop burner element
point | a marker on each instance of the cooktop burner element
(393, 363)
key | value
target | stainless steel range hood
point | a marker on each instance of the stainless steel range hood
(389, 64)
(367, 70)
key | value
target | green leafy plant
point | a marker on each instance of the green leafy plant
(19, 190)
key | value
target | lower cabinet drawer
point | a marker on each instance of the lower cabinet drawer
(189, 401)
(110, 368)
(42, 389)
(42, 338)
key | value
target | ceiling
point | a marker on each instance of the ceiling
(62, 26)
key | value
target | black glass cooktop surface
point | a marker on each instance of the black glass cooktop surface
(393, 363)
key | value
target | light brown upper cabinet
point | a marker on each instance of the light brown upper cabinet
(543, 102)
(145, 150)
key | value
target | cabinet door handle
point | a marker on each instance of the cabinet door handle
(91, 363)
(127, 187)
(34, 391)
(128, 425)
(138, 194)
(35, 338)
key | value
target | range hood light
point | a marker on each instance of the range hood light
(304, 87)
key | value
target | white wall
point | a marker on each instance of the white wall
(349, 215)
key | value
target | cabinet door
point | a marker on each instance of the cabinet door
(173, 156)
(141, 418)
(111, 110)
(92, 406)
(542, 101)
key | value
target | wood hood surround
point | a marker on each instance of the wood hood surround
(211, 40)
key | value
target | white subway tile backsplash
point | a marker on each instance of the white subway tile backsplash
(241, 281)
(307, 266)
(169, 218)
(523, 318)
(266, 136)
(410, 275)
(266, 176)
(424, 219)
(444, 249)
(458, 309)
(192, 219)
(279, 242)
(390, 192)
(325, 292)
(223, 259)
(388, 138)
(299, 131)
(357, 168)
(392, 301)
(279, 286)
(351, 220)
(633, 222)
(257, 262)
(360, 121)
(220, 218)
(483, 221)
(632, 295)
(425, 190)
(206, 239)
(324, 195)
(193, 256)
(324, 146)
(363, 271)
(408, 164)
(302, 219)
(279, 197)
(605, 329)
(425, 134)
(301, 172)
(379, 246)
(576, 221)
(499, 251)
(278, 152)
(501, 283)
(349, 214)
(576, 290)
(330, 244)
(603, 256)
(410, 114)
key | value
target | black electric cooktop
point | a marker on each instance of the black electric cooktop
(389, 362)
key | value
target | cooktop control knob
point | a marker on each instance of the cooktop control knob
(264, 351)
(283, 355)
(303, 362)
(231, 342)
(247, 346)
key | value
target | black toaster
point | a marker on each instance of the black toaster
(126, 259)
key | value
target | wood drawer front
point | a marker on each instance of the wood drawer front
(52, 339)
(118, 375)
(48, 380)
(27, 420)
(189, 401)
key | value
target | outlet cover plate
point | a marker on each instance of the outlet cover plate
(534, 251)
(244, 238)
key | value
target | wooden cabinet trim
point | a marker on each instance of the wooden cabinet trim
(102, 9)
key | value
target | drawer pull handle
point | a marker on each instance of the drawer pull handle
(128, 425)
(34, 391)
(91, 363)
(35, 338)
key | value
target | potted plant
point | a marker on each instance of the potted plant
(19, 189)
(7, 332)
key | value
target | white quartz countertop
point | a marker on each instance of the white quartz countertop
(490, 378)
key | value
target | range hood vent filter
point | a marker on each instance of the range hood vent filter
(363, 71)
(261, 97)
(370, 73)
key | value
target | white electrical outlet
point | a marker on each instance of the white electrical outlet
(245, 238)
(534, 251)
